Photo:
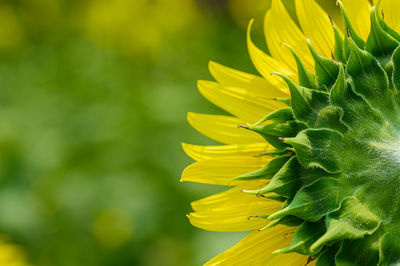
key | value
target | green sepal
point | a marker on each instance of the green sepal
(306, 103)
(314, 201)
(290, 221)
(327, 258)
(383, 24)
(289, 129)
(325, 68)
(286, 101)
(389, 250)
(339, 97)
(278, 116)
(275, 141)
(396, 69)
(313, 147)
(351, 104)
(339, 45)
(306, 77)
(290, 178)
(275, 197)
(276, 152)
(285, 182)
(267, 171)
(329, 117)
(364, 251)
(349, 28)
(352, 221)
(379, 43)
(369, 79)
(303, 238)
(346, 46)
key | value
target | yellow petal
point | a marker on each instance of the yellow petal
(201, 153)
(280, 28)
(391, 11)
(358, 12)
(231, 195)
(232, 210)
(221, 171)
(318, 29)
(252, 84)
(257, 247)
(223, 129)
(265, 64)
(238, 102)
(233, 220)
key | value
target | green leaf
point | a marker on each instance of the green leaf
(306, 103)
(267, 171)
(353, 220)
(389, 250)
(325, 68)
(303, 238)
(314, 201)
(314, 147)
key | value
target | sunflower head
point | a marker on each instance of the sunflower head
(333, 156)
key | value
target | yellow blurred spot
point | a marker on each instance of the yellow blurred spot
(113, 227)
(242, 11)
(11, 255)
(137, 26)
(10, 28)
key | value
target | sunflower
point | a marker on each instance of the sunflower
(312, 150)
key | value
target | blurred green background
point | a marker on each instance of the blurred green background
(93, 103)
